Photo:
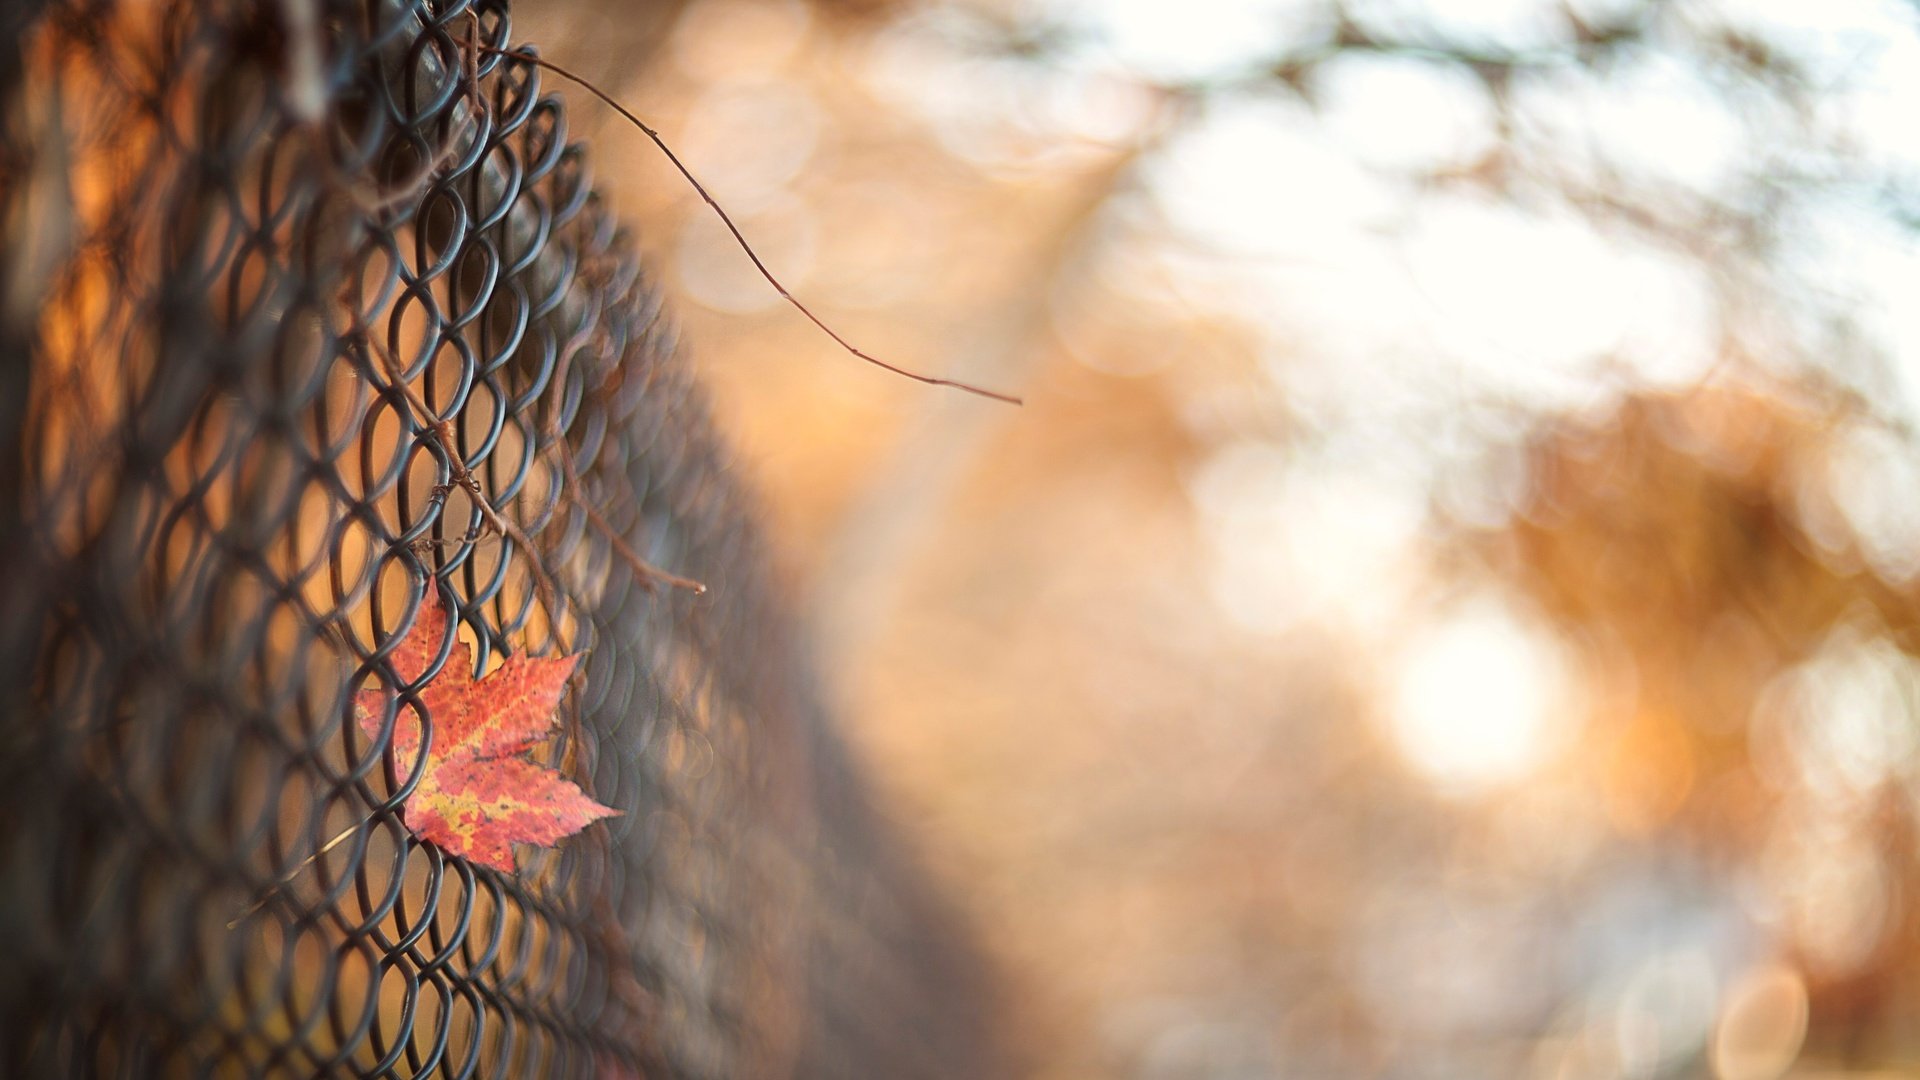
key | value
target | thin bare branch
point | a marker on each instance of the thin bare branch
(648, 573)
(441, 432)
(287, 878)
(739, 238)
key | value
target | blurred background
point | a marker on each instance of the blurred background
(1449, 606)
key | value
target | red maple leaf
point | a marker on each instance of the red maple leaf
(478, 795)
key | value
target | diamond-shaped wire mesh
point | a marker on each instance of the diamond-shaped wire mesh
(256, 251)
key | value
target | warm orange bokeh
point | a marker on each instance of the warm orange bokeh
(1280, 703)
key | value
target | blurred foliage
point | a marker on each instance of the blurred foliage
(1448, 607)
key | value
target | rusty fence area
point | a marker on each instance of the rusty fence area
(309, 309)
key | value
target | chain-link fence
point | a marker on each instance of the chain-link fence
(309, 309)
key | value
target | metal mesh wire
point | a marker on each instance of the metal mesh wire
(235, 229)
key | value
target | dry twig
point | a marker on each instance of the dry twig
(440, 431)
(725, 219)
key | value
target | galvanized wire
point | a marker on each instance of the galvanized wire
(245, 239)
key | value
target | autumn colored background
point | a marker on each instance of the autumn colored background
(1448, 606)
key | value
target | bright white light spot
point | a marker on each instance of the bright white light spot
(1844, 718)
(1100, 107)
(1529, 306)
(1596, 12)
(1654, 117)
(1512, 23)
(1188, 39)
(1005, 114)
(1874, 475)
(1481, 699)
(1294, 542)
(1844, 257)
(1399, 113)
(1264, 179)
(1530, 303)
(1878, 105)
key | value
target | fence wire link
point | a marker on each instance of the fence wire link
(247, 242)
